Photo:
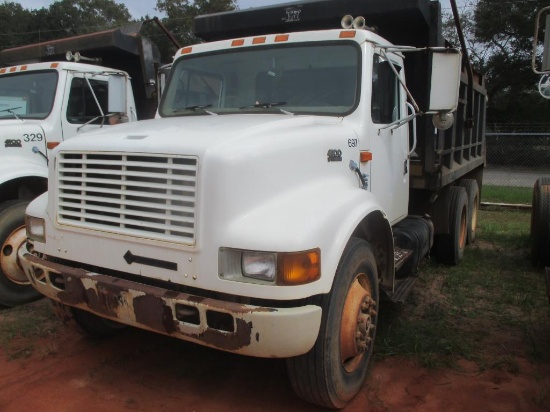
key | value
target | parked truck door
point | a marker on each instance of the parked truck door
(390, 169)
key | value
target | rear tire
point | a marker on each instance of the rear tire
(334, 370)
(450, 246)
(472, 190)
(540, 223)
(15, 288)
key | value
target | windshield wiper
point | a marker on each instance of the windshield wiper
(11, 111)
(202, 107)
(268, 105)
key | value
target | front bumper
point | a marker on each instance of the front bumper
(233, 327)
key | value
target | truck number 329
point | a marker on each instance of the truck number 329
(352, 142)
(33, 137)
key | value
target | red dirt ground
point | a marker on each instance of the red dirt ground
(140, 371)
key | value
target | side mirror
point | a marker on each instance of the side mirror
(445, 80)
(117, 93)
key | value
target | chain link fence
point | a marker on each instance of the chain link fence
(517, 154)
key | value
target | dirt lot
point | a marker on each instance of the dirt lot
(48, 368)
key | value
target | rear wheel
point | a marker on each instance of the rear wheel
(15, 288)
(334, 370)
(472, 190)
(540, 223)
(450, 246)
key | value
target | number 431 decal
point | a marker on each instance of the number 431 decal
(33, 137)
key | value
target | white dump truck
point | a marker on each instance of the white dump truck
(44, 100)
(294, 178)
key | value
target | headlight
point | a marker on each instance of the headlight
(36, 229)
(259, 265)
(282, 269)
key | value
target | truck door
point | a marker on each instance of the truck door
(83, 98)
(390, 167)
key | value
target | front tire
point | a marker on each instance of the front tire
(334, 370)
(95, 326)
(15, 288)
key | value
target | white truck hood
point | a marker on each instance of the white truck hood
(194, 135)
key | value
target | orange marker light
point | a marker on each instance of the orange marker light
(12, 69)
(24, 67)
(2, 71)
(299, 268)
(281, 37)
(347, 34)
(186, 50)
(258, 40)
(238, 42)
(365, 157)
(52, 145)
(54, 65)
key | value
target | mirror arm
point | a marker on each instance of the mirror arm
(469, 123)
(409, 94)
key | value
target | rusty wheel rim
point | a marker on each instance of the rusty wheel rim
(9, 261)
(358, 323)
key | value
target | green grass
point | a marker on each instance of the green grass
(489, 309)
(505, 194)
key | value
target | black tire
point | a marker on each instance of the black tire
(472, 190)
(94, 326)
(334, 370)
(450, 246)
(540, 223)
(15, 288)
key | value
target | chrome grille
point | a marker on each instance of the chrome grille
(141, 195)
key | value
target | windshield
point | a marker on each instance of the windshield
(27, 95)
(312, 78)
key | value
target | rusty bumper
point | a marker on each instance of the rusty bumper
(233, 327)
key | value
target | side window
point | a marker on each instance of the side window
(82, 106)
(385, 92)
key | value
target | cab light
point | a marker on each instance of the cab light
(186, 50)
(238, 42)
(2, 71)
(281, 37)
(12, 69)
(54, 65)
(24, 67)
(36, 228)
(347, 34)
(258, 40)
(52, 145)
(299, 268)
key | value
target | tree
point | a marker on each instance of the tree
(182, 12)
(17, 25)
(73, 17)
(500, 41)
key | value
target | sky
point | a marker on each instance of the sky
(139, 8)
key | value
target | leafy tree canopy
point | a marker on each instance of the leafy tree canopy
(500, 36)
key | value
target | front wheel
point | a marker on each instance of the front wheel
(334, 370)
(15, 288)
